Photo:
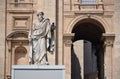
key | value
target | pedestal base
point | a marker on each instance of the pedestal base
(38, 72)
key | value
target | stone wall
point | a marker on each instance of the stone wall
(2, 38)
(117, 41)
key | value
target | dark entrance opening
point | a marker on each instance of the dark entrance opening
(90, 31)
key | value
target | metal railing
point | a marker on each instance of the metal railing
(88, 1)
(97, 6)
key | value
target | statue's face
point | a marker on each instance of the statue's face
(40, 17)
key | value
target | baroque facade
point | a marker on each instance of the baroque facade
(87, 36)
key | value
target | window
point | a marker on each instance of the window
(22, 4)
(92, 2)
(19, 3)
(88, 1)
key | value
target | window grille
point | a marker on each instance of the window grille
(88, 1)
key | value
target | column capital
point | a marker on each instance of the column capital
(67, 37)
(109, 39)
(109, 43)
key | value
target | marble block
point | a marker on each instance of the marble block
(38, 72)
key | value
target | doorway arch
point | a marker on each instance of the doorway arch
(76, 20)
(89, 30)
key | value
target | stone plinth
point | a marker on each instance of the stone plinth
(38, 72)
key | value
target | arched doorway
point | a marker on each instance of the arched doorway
(87, 56)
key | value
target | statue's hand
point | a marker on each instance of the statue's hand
(30, 39)
(51, 52)
(53, 26)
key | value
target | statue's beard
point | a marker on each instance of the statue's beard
(40, 19)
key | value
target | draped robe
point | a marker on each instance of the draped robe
(39, 44)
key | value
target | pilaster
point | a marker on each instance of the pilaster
(67, 54)
(108, 56)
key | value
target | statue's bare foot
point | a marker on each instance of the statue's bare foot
(46, 63)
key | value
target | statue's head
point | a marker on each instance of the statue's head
(40, 13)
(40, 16)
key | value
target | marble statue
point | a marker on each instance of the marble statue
(41, 39)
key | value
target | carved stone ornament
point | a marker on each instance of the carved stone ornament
(109, 39)
(68, 39)
(109, 43)
(68, 42)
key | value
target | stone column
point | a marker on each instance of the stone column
(59, 31)
(67, 54)
(8, 58)
(108, 56)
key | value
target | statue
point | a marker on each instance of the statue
(41, 39)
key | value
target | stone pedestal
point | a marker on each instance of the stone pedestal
(38, 72)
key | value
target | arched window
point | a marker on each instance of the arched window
(20, 57)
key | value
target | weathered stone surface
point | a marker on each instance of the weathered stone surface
(2, 38)
(66, 14)
(116, 58)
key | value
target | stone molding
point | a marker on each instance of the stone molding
(10, 39)
(109, 39)
(109, 43)
(8, 76)
(75, 20)
(9, 45)
(68, 38)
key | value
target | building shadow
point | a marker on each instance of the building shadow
(75, 66)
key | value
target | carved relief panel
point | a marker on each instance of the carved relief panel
(21, 22)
